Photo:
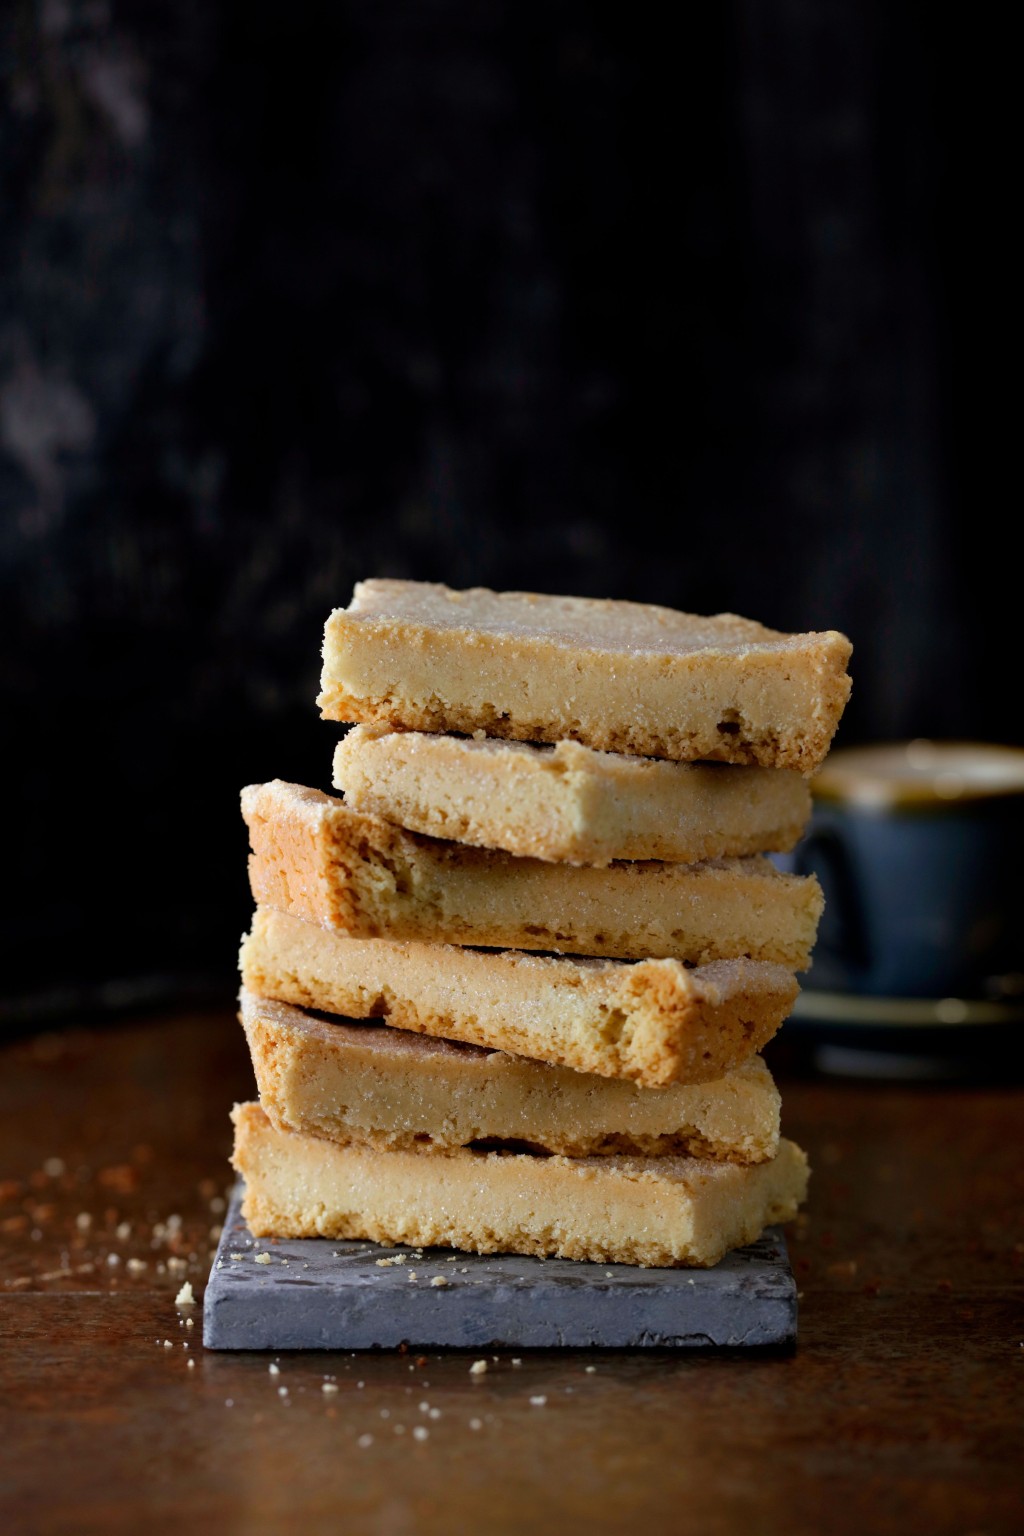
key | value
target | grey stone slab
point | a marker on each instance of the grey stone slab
(319, 1294)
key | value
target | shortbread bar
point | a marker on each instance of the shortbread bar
(615, 675)
(653, 1021)
(314, 857)
(656, 1211)
(566, 802)
(363, 1082)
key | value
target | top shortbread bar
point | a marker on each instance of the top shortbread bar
(614, 675)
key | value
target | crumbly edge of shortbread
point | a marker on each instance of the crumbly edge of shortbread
(652, 1021)
(313, 856)
(663, 1212)
(349, 1081)
(667, 687)
(568, 803)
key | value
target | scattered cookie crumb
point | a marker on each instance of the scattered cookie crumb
(273, 1370)
(186, 1296)
(83, 1221)
(263, 1258)
(476, 1423)
(538, 1401)
(439, 1280)
(329, 1387)
(364, 1441)
(421, 1432)
(590, 1369)
(478, 1368)
(191, 1364)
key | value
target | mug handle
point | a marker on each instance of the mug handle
(823, 853)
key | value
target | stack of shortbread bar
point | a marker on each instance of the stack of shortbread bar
(507, 991)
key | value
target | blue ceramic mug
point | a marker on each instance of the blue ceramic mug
(919, 848)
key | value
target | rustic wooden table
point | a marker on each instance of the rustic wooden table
(900, 1409)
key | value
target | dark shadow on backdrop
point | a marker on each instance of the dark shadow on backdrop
(520, 295)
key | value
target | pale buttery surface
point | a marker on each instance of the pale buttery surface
(652, 1021)
(363, 876)
(567, 802)
(361, 1082)
(663, 1211)
(618, 676)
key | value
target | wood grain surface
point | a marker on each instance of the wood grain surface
(900, 1408)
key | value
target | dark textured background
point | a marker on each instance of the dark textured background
(526, 295)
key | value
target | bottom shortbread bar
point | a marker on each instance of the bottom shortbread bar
(357, 1081)
(662, 1211)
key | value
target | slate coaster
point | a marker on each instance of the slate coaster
(319, 1294)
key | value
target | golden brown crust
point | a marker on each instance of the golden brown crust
(567, 803)
(652, 1021)
(314, 857)
(620, 677)
(647, 1211)
(357, 1082)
